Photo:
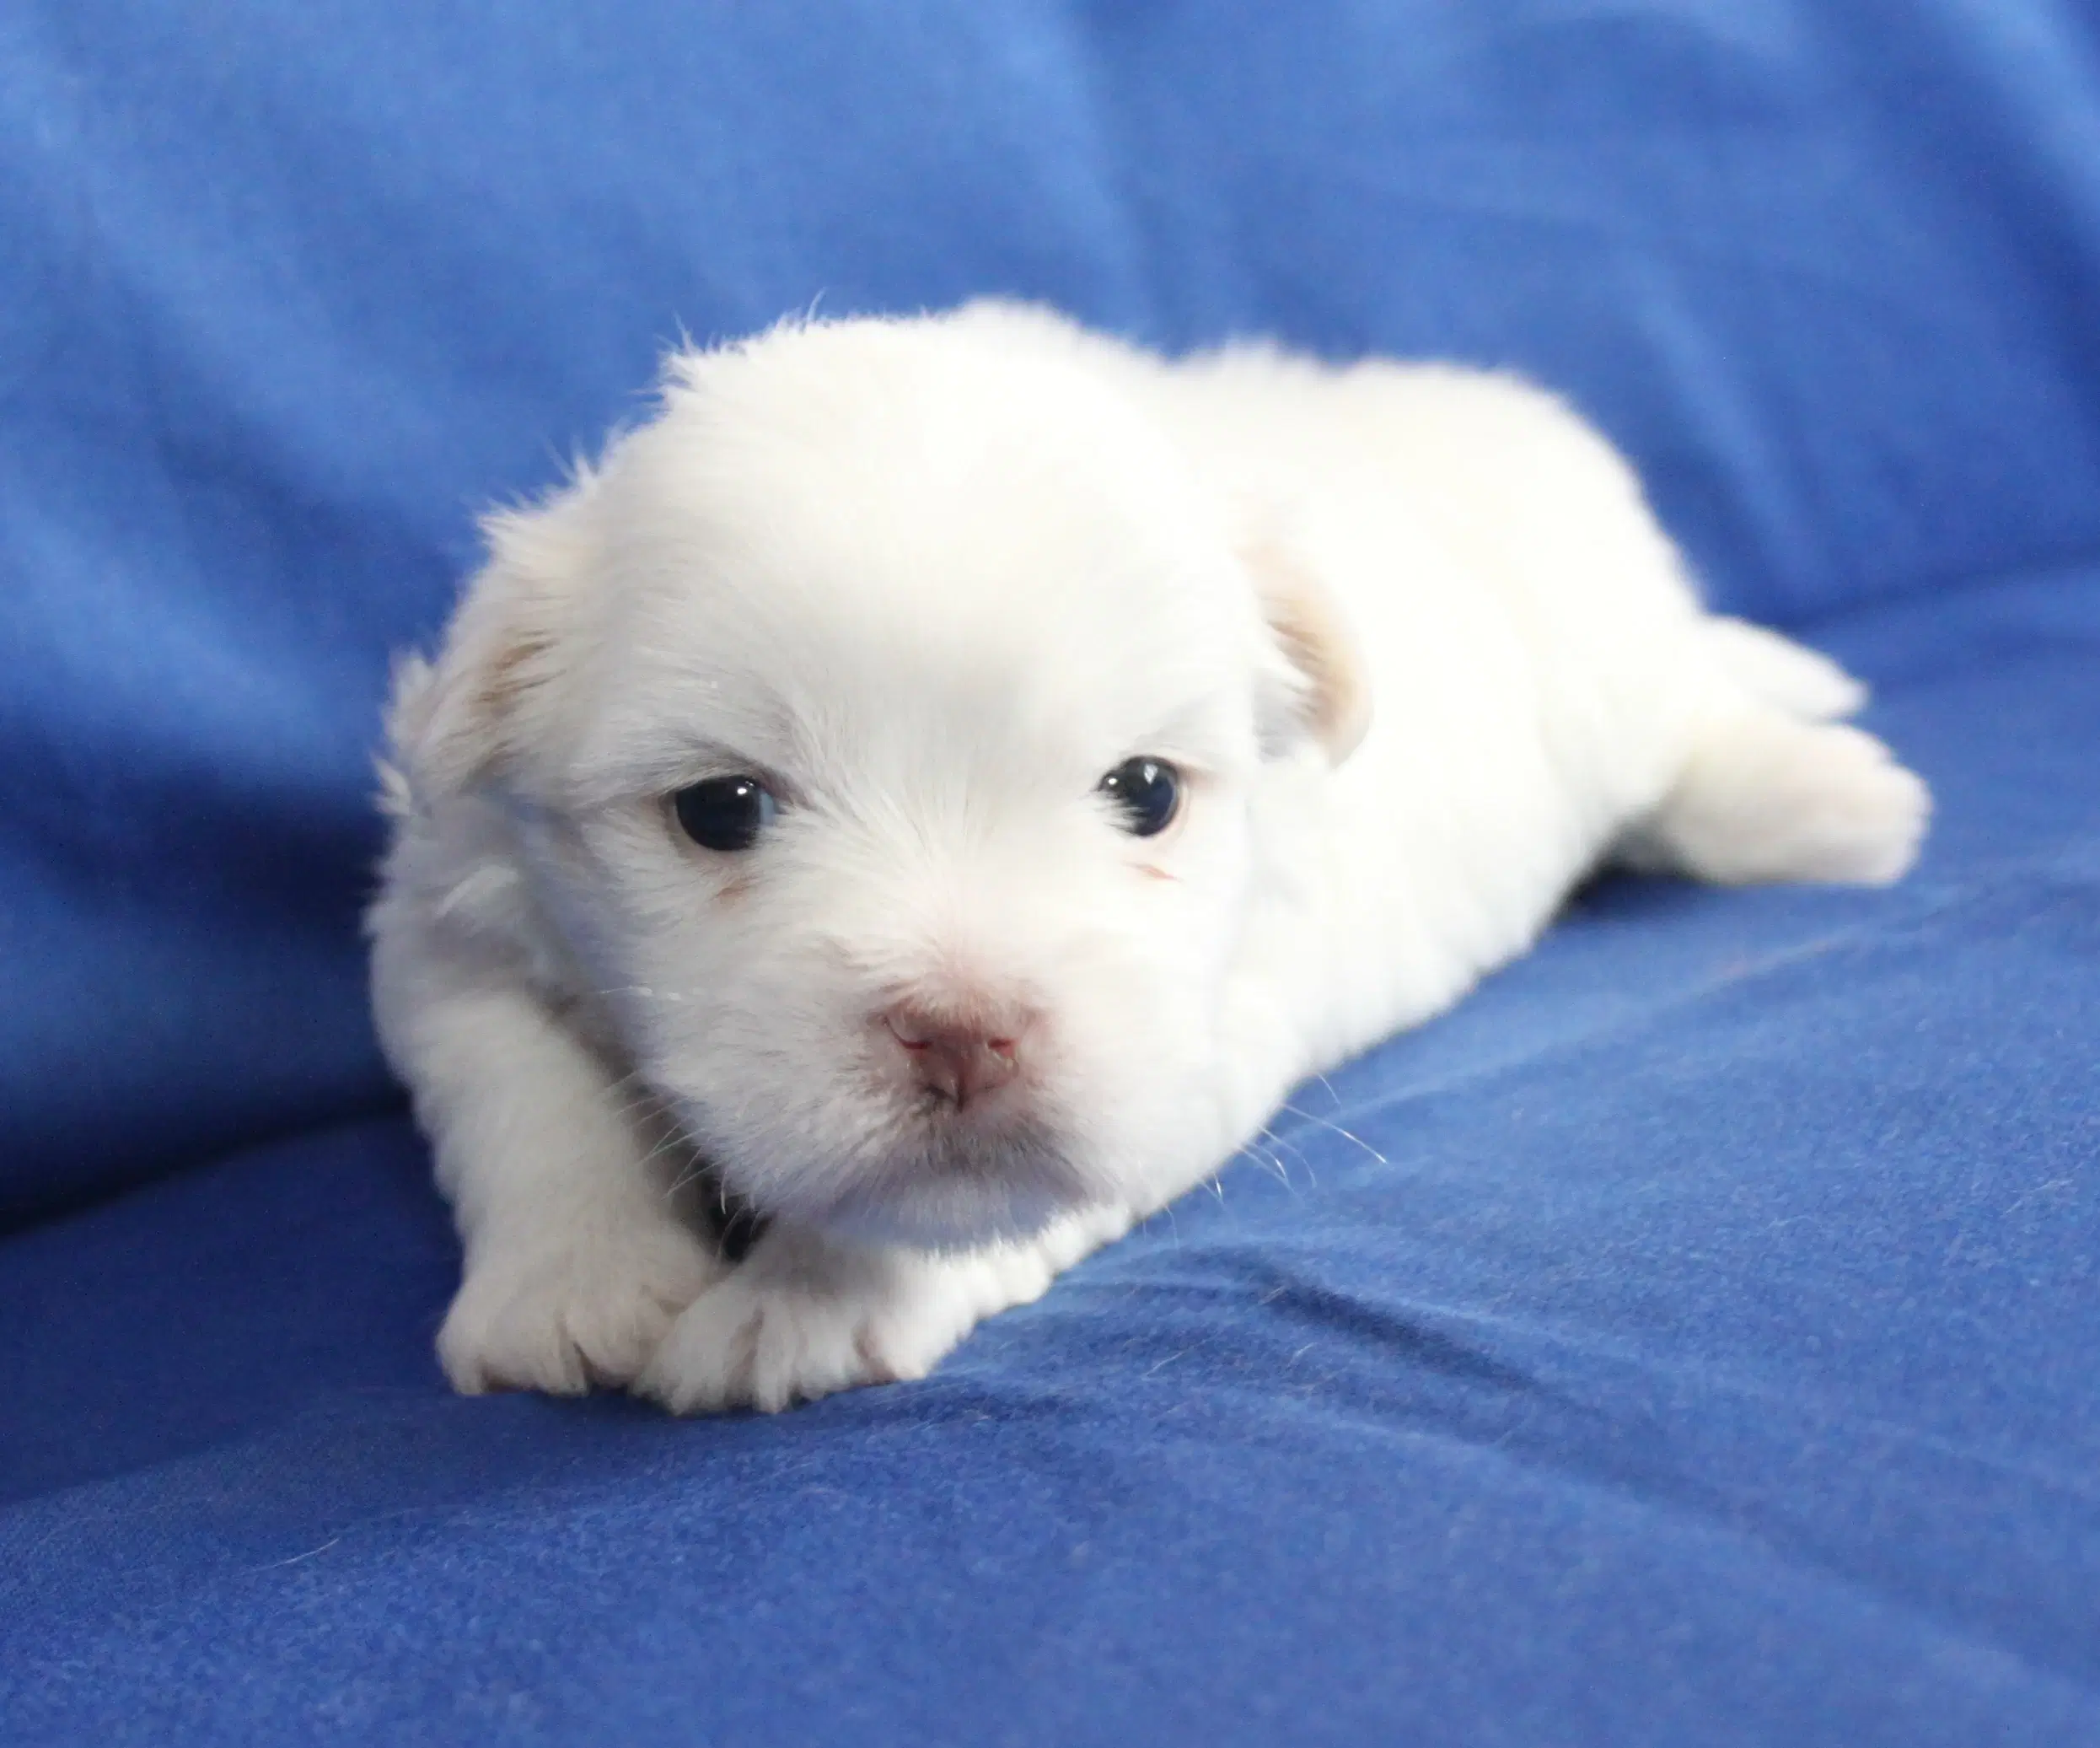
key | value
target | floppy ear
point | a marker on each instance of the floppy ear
(1318, 688)
(470, 716)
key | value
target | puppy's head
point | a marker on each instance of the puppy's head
(883, 722)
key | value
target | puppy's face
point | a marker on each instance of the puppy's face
(883, 722)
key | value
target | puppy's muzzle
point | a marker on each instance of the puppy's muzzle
(962, 1061)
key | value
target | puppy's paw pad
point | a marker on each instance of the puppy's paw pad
(563, 1318)
(746, 1343)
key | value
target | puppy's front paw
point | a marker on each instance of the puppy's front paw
(799, 1321)
(741, 1345)
(564, 1313)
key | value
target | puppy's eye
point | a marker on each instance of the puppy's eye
(725, 813)
(1147, 793)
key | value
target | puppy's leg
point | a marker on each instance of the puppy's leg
(1803, 682)
(1766, 794)
(575, 1261)
(806, 1314)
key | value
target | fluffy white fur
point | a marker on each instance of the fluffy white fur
(1410, 633)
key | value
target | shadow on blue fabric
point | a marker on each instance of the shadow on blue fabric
(1689, 1340)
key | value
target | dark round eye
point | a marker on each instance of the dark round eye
(1147, 793)
(725, 813)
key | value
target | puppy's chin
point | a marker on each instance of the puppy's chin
(943, 1185)
(963, 1187)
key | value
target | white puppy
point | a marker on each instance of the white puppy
(936, 786)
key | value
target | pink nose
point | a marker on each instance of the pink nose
(961, 1061)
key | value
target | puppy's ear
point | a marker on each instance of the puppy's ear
(473, 715)
(1318, 686)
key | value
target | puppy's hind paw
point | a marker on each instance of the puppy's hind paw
(1864, 820)
(1767, 797)
(563, 1316)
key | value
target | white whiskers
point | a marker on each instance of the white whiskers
(1337, 1128)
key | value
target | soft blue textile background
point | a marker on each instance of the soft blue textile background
(1691, 1339)
(291, 291)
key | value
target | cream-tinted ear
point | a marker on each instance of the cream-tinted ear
(1325, 691)
(471, 716)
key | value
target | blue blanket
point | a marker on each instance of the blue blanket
(1689, 1340)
